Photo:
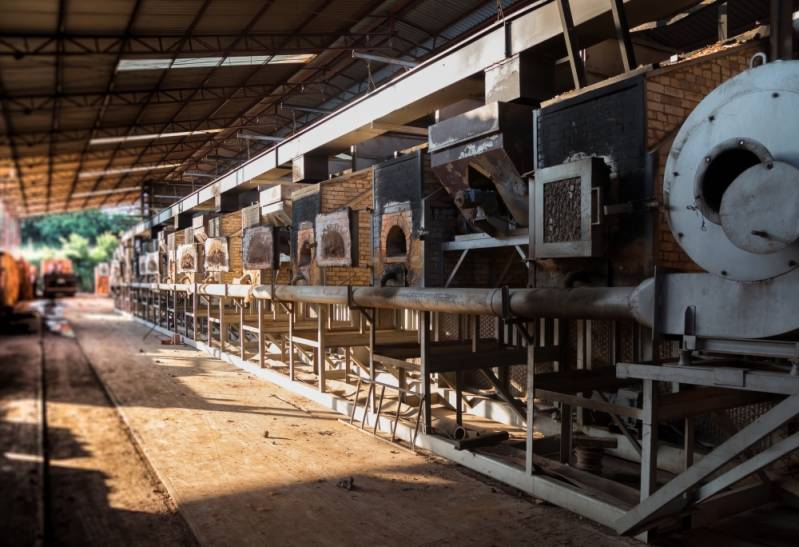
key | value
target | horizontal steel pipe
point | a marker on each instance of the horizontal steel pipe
(578, 303)
(617, 303)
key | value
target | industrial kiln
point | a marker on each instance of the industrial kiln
(330, 241)
(410, 222)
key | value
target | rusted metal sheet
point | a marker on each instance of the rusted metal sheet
(187, 260)
(151, 264)
(217, 257)
(260, 249)
(479, 158)
(334, 245)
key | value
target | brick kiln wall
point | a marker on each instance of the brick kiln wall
(353, 191)
(671, 95)
(401, 186)
(440, 225)
(483, 268)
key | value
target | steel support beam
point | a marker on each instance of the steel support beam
(729, 377)
(723, 22)
(783, 36)
(21, 44)
(437, 81)
(623, 35)
(572, 44)
(637, 519)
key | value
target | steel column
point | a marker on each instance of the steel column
(623, 35)
(572, 44)
(637, 518)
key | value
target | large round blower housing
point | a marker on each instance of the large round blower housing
(732, 177)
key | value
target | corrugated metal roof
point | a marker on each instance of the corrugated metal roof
(60, 91)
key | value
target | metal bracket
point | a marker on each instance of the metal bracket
(657, 309)
(505, 292)
(288, 306)
(630, 207)
(689, 336)
(367, 312)
(509, 318)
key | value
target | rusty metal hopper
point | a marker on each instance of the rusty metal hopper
(479, 157)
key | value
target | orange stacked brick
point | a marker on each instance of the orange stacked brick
(353, 190)
(230, 227)
(672, 93)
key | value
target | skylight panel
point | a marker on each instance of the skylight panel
(210, 62)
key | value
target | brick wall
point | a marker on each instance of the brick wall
(354, 191)
(671, 95)
(401, 186)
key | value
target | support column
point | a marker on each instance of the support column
(222, 324)
(572, 45)
(723, 22)
(261, 344)
(424, 340)
(649, 441)
(623, 35)
(241, 330)
(532, 331)
(782, 33)
(322, 313)
(194, 314)
(292, 316)
(372, 341)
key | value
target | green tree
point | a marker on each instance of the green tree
(76, 248)
(85, 256)
(104, 247)
(50, 229)
(85, 237)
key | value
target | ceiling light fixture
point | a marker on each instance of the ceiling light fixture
(252, 137)
(151, 136)
(382, 59)
(123, 170)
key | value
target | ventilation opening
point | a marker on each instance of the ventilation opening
(719, 174)
(305, 254)
(333, 244)
(396, 245)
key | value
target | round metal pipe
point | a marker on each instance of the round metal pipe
(577, 303)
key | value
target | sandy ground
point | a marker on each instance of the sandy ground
(250, 464)
(21, 464)
(98, 491)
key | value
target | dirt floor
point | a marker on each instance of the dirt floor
(242, 461)
(83, 483)
(250, 464)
